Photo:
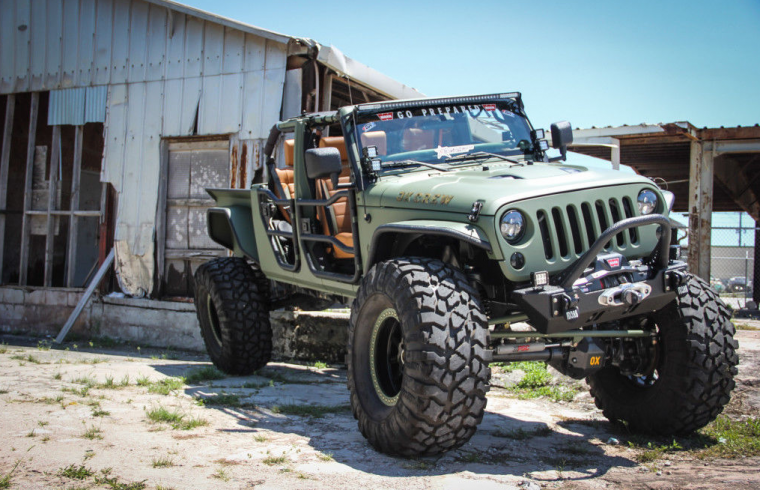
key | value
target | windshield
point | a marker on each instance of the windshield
(442, 133)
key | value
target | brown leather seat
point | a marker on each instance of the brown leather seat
(336, 219)
(415, 139)
(286, 176)
(377, 139)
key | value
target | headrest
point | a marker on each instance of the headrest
(289, 152)
(335, 142)
(375, 138)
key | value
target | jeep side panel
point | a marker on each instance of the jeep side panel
(230, 222)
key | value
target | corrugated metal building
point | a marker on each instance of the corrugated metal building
(118, 113)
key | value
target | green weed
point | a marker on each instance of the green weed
(92, 433)
(206, 373)
(316, 411)
(163, 462)
(76, 472)
(273, 460)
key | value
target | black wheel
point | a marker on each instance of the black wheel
(692, 374)
(232, 303)
(417, 367)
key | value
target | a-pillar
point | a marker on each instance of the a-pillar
(700, 209)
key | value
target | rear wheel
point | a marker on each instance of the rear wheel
(692, 372)
(417, 367)
(232, 304)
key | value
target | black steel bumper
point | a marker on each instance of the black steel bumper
(606, 293)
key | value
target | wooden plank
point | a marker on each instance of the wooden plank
(26, 223)
(55, 157)
(5, 156)
(86, 297)
(161, 217)
(73, 220)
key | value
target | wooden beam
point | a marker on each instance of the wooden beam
(85, 297)
(5, 157)
(734, 180)
(71, 257)
(55, 158)
(700, 209)
(26, 222)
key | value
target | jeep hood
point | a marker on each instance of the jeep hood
(493, 185)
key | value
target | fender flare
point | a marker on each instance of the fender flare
(232, 228)
(465, 232)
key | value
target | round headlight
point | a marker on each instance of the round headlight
(647, 201)
(512, 225)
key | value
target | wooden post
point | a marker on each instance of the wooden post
(756, 269)
(700, 209)
(71, 257)
(5, 156)
(26, 223)
(55, 157)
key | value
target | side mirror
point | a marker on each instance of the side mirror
(562, 136)
(322, 163)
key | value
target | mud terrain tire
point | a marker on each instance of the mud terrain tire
(232, 303)
(436, 395)
(696, 364)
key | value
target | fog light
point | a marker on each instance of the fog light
(517, 260)
(539, 279)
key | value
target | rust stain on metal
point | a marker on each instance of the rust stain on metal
(234, 172)
(256, 160)
(244, 166)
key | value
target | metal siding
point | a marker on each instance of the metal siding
(53, 35)
(86, 36)
(115, 135)
(138, 33)
(230, 107)
(213, 48)
(209, 110)
(156, 43)
(103, 33)
(95, 104)
(37, 45)
(70, 43)
(21, 40)
(276, 55)
(7, 64)
(191, 96)
(193, 47)
(66, 107)
(234, 51)
(255, 48)
(120, 41)
(172, 108)
(175, 50)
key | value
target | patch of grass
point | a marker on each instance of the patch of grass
(163, 462)
(3, 349)
(31, 433)
(320, 365)
(206, 373)
(316, 411)
(222, 399)
(221, 474)
(99, 412)
(255, 386)
(175, 419)
(417, 464)
(88, 381)
(57, 375)
(143, 380)
(92, 433)
(273, 460)
(26, 358)
(536, 375)
(734, 438)
(76, 472)
(260, 438)
(470, 458)
(325, 457)
(43, 345)
(744, 326)
(42, 423)
(166, 385)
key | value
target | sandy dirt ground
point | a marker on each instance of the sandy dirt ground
(85, 412)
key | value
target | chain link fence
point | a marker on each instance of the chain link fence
(732, 267)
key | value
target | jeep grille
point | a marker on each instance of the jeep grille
(572, 229)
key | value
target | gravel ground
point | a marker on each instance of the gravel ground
(67, 413)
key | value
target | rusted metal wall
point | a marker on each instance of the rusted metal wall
(168, 74)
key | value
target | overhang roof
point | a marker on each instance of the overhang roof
(663, 151)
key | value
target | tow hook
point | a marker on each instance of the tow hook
(627, 294)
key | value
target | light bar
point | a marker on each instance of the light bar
(397, 104)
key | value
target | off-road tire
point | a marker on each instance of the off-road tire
(696, 364)
(232, 304)
(445, 371)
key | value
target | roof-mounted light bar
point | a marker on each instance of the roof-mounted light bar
(399, 104)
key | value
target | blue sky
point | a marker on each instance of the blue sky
(592, 63)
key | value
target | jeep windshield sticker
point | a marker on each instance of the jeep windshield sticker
(447, 151)
(368, 126)
(385, 116)
(489, 107)
(435, 111)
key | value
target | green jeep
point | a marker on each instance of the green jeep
(460, 242)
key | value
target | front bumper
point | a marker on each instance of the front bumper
(612, 290)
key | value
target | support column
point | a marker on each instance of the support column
(700, 209)
(756, 269)
(5, 155)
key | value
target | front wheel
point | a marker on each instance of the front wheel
(693, 372)
(417, 369)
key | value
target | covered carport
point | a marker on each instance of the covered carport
(708, 170)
